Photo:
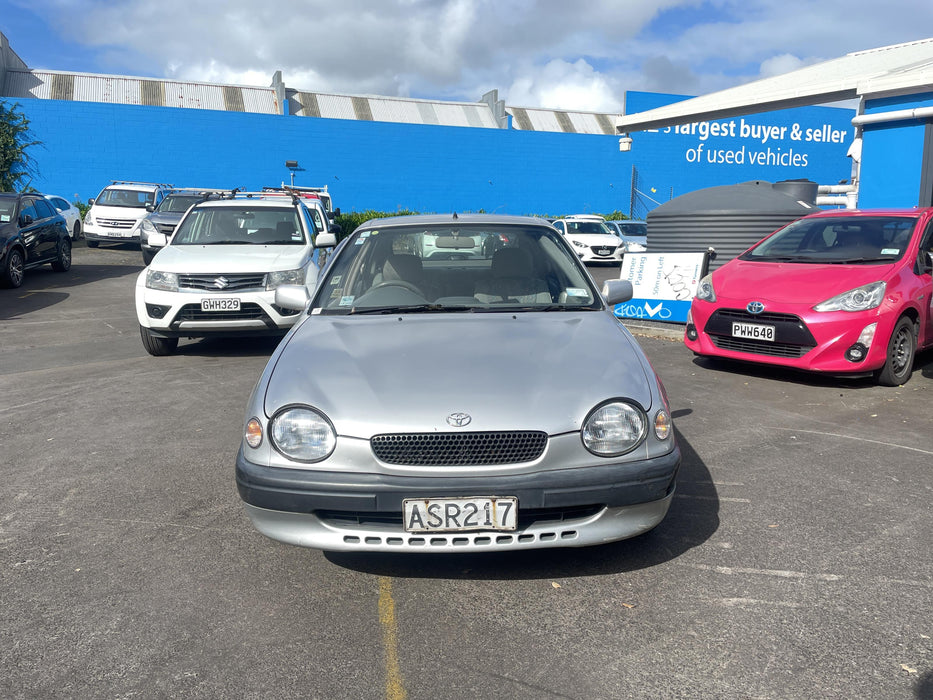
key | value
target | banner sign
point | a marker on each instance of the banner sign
(664, 285)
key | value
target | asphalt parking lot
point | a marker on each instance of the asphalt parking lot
(795, 561)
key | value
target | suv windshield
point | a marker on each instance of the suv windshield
(178, 203)
(7, 208)
(629, 229)
(839, 240)
(135, 199)
(236, 225)
(439, 268)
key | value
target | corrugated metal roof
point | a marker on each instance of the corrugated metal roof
(528, 119)
(85, 87)
(900, 69)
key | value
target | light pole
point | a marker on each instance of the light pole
(292, 165)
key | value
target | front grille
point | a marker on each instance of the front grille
(247, 312)
(765, 317)
(758, 347)
(526, 518)
(116, 223)
(448, 449)
(167, 229)
(222, 282)
(597, 248)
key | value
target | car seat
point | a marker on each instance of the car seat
(512, 279)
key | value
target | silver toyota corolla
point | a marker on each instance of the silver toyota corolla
(443, 395)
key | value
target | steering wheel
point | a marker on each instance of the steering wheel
(397, 283)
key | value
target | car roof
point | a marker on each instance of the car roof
(915, 212)
(464, 219)
(244, 202)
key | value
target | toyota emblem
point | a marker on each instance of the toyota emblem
(458, 420)
(755, 307)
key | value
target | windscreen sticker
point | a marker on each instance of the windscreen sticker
(315, 311)
(336, 293)
(363, 237)
(890, 251)
(5, 218)
(577, 292)
(346, 301)
(335, 280)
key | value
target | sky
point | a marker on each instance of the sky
(578, 55)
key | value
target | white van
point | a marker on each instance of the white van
(116, 213)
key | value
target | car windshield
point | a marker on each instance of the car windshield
(178, 203)
(838, 240)
(135, 199)
(240, 225)
(587, 227)
(633, 229)
(471, 268)
(7, 208)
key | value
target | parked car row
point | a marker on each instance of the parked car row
(32, 233)
(598, 240)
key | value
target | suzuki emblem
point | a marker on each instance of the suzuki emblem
(221, 282)
(458, 420)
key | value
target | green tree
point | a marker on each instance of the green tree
(17, 168)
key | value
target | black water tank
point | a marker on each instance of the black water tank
(728, 218)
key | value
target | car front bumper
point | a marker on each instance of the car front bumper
(112, 235)
(341, 511)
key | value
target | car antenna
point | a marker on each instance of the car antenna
(455, 215)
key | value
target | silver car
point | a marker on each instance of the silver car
(445, 404)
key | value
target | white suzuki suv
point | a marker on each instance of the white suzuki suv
(218, 274)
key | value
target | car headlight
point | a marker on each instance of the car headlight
(302, 434)
(166, 281)
(88, 219)
(277, 279)
(614, 428)
(579, 244)
(705, 289)
(148, 227)
(863, 298)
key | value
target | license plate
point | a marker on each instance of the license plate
(460, 514)
(604, 251)
(753, 331)
(220, 304)
(119, 234)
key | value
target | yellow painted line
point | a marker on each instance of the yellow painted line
(395, 687)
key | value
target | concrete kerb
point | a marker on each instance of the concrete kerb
(655, 329)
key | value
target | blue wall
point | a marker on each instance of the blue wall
(387, 166)
(892, 155)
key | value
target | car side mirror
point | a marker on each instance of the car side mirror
(149, 207)
(157, 240)
(25, 220)
(926, 264)
(90, 202)
(292, 296)
(325, 240)
(617, 291)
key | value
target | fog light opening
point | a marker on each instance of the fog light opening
(692, 332)
(857, 353)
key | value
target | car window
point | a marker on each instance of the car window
(178, 203)
(240, 226)
(60, 204)
(44, 209)
(473, 267)
(124, 198)
(842, 239)
(7, 209)
(28, 208)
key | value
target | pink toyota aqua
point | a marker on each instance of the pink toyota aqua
(839, 292)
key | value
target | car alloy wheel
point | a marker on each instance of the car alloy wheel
(13, 274)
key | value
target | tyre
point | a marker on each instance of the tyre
(12, 273)
(76, 231)
(93, 244)
(147, 257)
(62, 262)
(902, 347)
(159, 347)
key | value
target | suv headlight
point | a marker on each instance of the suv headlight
(88, 219)
(166, 281)
(148, 227)
(614, 428)
(277, 279)
(705, 290)
(302, 434)
(868, 296)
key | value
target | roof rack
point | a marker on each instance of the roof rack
(297, 188)
(264, 194)
(136, 182)
(223, 192)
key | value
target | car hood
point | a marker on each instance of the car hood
(105, 212)
(596, 238)
(408, 373)
(193, 259)
(792, 283)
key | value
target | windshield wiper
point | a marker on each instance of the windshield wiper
(416, 309)
(226, 243)
(851, 261)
